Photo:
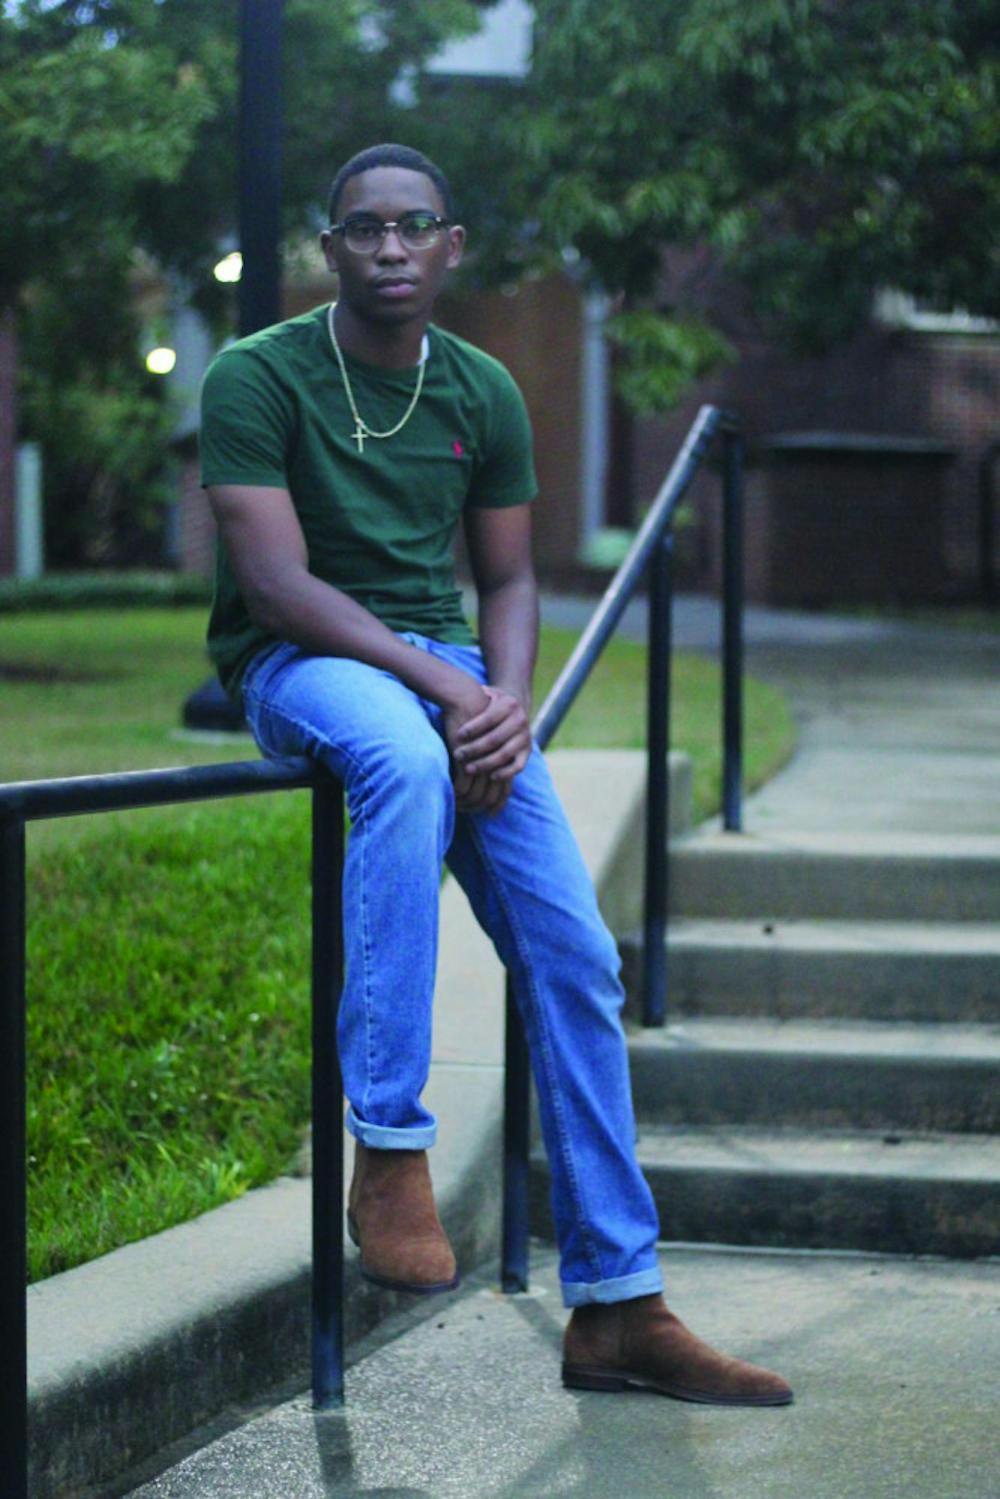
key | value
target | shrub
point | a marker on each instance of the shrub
(103, 590)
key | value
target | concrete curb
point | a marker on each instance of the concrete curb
(129, 1352)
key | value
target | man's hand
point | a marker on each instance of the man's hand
(497, 742)
(488, 750)
(479, 793)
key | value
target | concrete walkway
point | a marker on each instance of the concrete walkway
(899, 723)
(894, 1363)
(894, 1360)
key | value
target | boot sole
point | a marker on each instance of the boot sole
(386, 1284)
(617, 1381)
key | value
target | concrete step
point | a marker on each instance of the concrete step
(787, 968)
(818, 1074)
(926, 1194)
(879, 876)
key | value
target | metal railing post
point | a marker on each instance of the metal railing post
(24, 801)
(516, 1146)
(654, 933)
(732, 631)
(260, 142)
(13, 1191)
(327, 1094)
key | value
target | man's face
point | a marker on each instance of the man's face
(395, 284)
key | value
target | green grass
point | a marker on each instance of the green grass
(168, 949)
(116, 703)
(168, 1035)
(979, 618)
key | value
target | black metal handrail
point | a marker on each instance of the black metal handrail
(652, 551)
(28, 801)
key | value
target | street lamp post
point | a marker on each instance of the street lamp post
(260, 163)
(208, 707)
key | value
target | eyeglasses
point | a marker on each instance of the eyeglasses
(417, 231)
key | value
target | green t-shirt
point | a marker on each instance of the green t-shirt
(379, 524)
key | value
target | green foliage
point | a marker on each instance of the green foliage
(120, 118)
(118, 134)
(91, 101)
(103, 590)
(102, 422)
(665, 355)
(816, 150)
(87, 113)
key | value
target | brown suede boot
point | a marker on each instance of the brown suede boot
(641, 1345)
(392, 1218)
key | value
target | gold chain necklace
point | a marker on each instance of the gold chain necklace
(361, 427)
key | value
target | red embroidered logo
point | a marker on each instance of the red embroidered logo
(457, 448)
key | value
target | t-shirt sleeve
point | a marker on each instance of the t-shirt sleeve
(505, 473)
(246, 422)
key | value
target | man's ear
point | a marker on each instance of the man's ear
(456, 245)
(327, 242)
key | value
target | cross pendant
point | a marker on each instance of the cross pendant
(359, 436)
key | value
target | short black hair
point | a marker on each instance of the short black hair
(390, 155)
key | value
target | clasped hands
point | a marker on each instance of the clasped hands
(489, 747)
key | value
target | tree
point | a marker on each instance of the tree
(118, 118)
(118, 134)
(817, 148)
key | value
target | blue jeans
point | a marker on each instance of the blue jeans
(529, 889)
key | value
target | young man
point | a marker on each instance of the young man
(340, 450)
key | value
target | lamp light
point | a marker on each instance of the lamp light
(161, 361)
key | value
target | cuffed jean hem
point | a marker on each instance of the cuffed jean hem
(623, 1288)
(379, 1137)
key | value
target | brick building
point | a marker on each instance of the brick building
(875, 446)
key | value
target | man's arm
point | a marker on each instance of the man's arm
(500, 556)
(494, 746)
(267, 550)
